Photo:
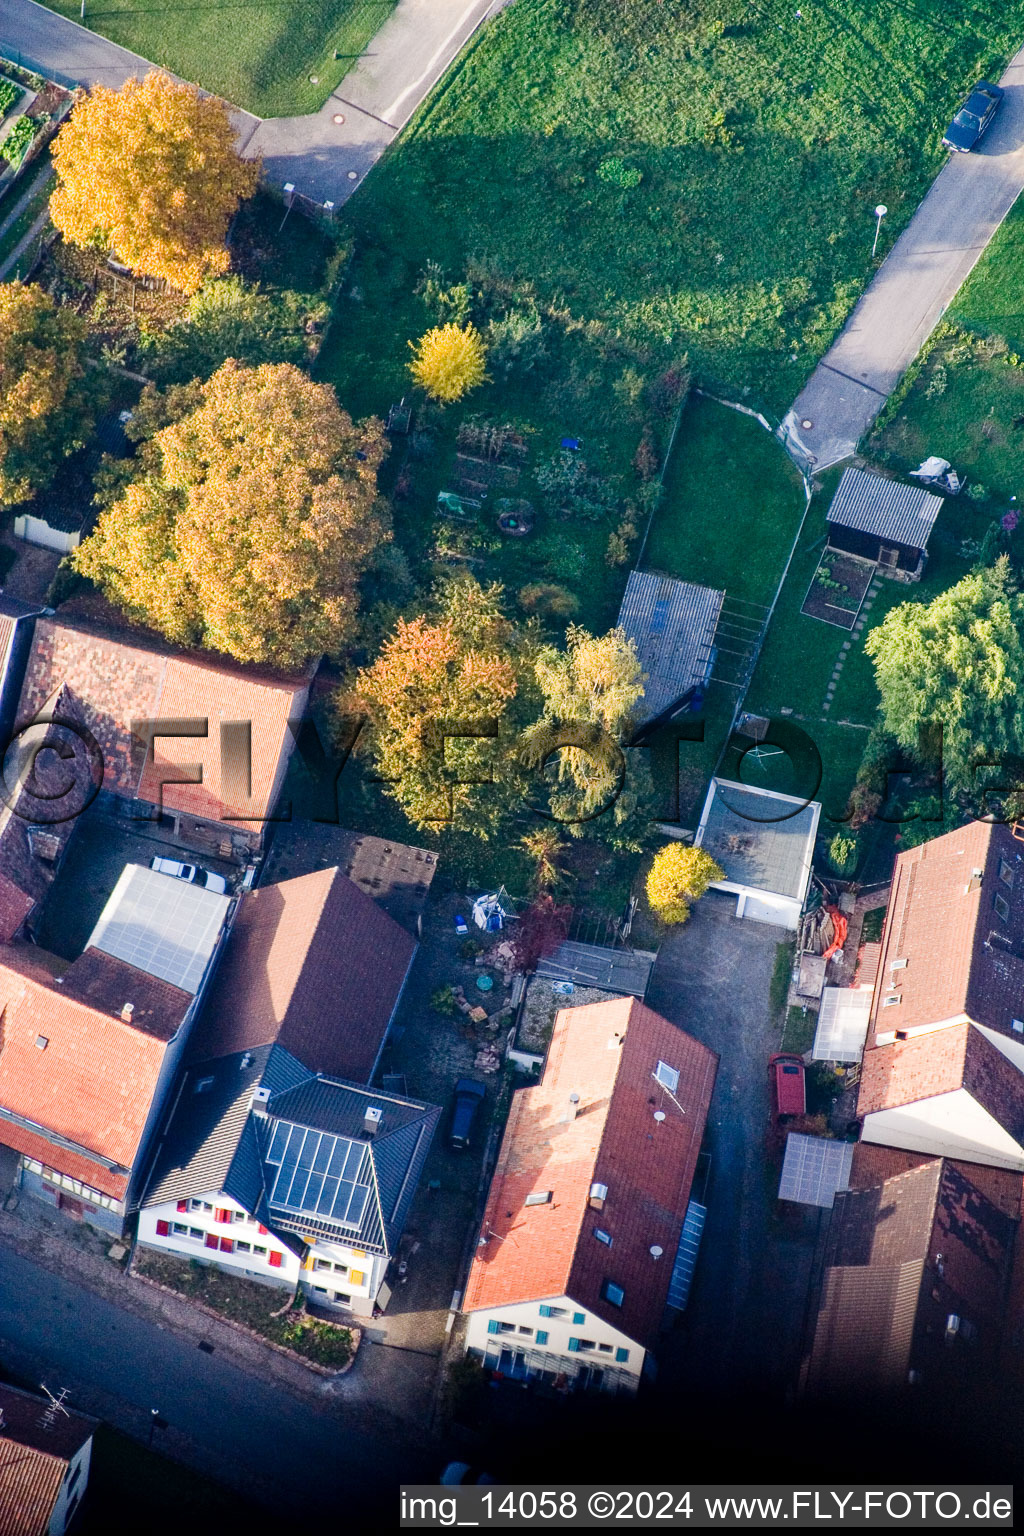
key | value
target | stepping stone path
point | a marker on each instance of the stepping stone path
(876, 582)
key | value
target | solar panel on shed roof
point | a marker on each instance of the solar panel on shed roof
(163, 926)
(815, 1169)
(842, 1024)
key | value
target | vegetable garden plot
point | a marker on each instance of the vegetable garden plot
(837, 588)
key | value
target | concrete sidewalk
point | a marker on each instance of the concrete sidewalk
(955, 221)
(324, 159)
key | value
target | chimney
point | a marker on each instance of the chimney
(127, 1011)
(597, 1197)
(371, 1120)
(574, 1106)
(259, 1101)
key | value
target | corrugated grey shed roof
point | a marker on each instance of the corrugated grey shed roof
(206, 1127)
(672, 623)
(624, 971)
(767, 855)
(903, 513)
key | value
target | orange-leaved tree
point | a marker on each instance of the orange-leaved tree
(251, 517)
(44, 412)
(151, 173)
(440, 703)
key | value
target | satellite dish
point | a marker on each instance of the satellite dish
(659, 1115)
(656, 1252)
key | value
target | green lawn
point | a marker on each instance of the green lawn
(679, 175)
(732, 505)
(259, 55)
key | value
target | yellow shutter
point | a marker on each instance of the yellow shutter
(356, 1276)
(357, 1253)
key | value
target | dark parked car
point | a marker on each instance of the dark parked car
(973, 118)
(466, 1104)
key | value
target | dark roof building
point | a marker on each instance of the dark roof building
(672, 624)
(915, 1280)
(396, 875)
(44, 1463)
(882, 519)
(625, 972)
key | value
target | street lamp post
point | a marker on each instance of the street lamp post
(880, 213)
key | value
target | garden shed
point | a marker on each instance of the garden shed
(883, 520)
(672, 624)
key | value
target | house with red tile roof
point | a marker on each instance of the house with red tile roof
(90, 1049)
(943, 1072)
(582, 1227)
(45, 1453)
(916, 1268)
(205, 740)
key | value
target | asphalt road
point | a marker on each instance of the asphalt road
(228, 1422)
(742, 1330)
(953, 224)
(320, 157)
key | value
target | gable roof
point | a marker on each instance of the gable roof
(205, 1127)
(36, 1445)
(396, 875)
(904, 514)
(116, 683)
(900, 1258)
(961, 956)
(607, 1053)
(960, 1056)
(672, 624)
(90, 1086)
(313, 964)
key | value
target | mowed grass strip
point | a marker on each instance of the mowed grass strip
(256, 54)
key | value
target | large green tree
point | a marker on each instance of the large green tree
(956, 662)
(596, 785)
(251, 517)
(44, 411)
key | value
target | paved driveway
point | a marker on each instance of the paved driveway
(743, 1324)
(322, 158)
(960, 213)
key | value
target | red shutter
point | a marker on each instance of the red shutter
(224, 1215)
(182, 1205)
(226, 1245)
(211, 1239)
(263, 1230)
(163, 1229)
(274, 1259)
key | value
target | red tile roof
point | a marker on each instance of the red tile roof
(116, 682)
(942, 1061)
(963, 956)
(15, 906)
(607, 1053)
(313, 964)
(36, 1447)
(93, 1082)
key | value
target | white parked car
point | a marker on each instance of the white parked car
(191, 873)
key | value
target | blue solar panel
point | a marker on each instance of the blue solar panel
(327, 1176)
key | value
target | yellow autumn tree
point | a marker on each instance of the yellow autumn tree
(678, 877)
(448, 361)
(151, 173)
(44, 413)
(250, 520)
